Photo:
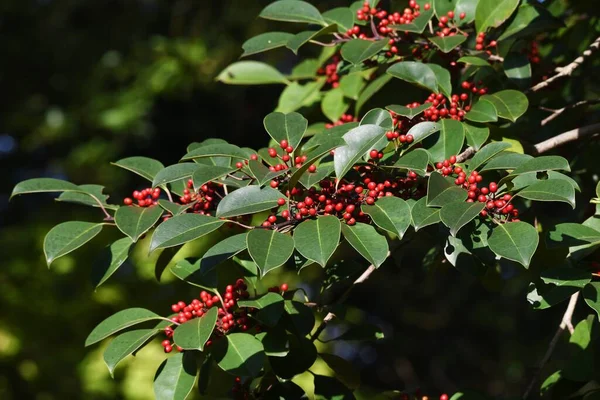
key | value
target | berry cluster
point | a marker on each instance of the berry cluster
(447, 24)
(344, 119)
(330, 71)
(480, 42)
(534, 53)
(145, 198)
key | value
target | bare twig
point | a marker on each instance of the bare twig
(566, 137)
(568, 69)
(564, 323)
(493, 57)
(557, 112)
(465, 155)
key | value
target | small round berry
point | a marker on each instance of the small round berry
(284, 287)
(281, 201)
(283, 144)
(274, 184)
(272, 152)
(312, 168)
(168, 349)
(239, 165)
(127, 201)
(374, 154)
(493, 186)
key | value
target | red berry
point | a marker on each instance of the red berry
(284, 287)
(168, 349)
(312, 168)
(462, 15)
(493, 186)
(274, 184)
(281, 201)
(374, 154)
(127, 201)
(284, 144)
(272, 152)
(239, 165)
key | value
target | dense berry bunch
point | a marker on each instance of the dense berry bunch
(145, 198)
(344, 119)
(480, 42)
(330, 71)
(447, 24)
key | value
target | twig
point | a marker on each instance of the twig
(465, 155)
(557, 112)
(363, 277)
(564, 323)
(568, 69)
(566, 137)
(494, 57)
(374, 29)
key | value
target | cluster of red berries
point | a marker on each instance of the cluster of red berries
(480, 42)
(495, 205)
(287, 162)
(330, 71)
(227, 319)
(344, 119)
(534, 53)
(145, 198)
(447, 24)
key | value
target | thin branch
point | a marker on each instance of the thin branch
(465, 155)
(568, 69)
(363, 277)
(566, 322)
(557, 112)
(493, 57)
(566, 137)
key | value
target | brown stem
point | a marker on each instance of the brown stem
(566, 137)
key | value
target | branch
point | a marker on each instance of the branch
(364, 276)
(566, 137)
(568, 70)
(557, 112)
(564, 323)
(465, 155)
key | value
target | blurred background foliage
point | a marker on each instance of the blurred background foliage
(87, 83)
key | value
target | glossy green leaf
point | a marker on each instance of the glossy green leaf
(175, 377)
(486, 153)
(550, 190)
(544, 163)
(407, 112)
(476, 136)
(469, 7)
(251, 73)
(290, 127)
(448, 43)
(196, 274)
(209, 173)
(297, 95)
(270, 306)
(566, 276)
(223, 251)
(265, 41)
(379, 117)
(371, 89)
(591, 294)
(516, 241)
(421, 131)
(417, 73)
(482, 111)
(173, 208)
(67, 237)
(310, 179)
(334, 104)
(88, 195)
(300, 39)
(358, 50)
(572, 234)
(517, 68)
(193, 334)
(323, 149)
(449, 141)
(143, 166)
(510, 104)
(457, 214)
(248, 200)
(119, 321)
(275, 341)
(529, 19)
(317, 239)
(341, 16)
(415, 160)
(442, 76)
(369, 244)
(135, 221)
(240, 354)
(183, 228)
(391, 214)
(359, 141)
(441, 191)
(269, 249)
(492, 13)
(441, 7)
(215, 150)
(110, 260)
(125, 344)
(292, 11)
(301, 318)
(476, 61)
(506, 161)
(352, 85)
(41, 185)
(174, 173)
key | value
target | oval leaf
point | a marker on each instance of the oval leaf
(359, 141)
(240, 354)
(369, 244)
(317, 239)
(265, 41)
(143, 166)
(135, 221)
(119, 321)
(457, 214)
(110, 260)
(68, 236)
(290, 127)
(174, 173)
(423, 216)
(183, 228)
(358, 50)
(486, 153)
(192, 335)
(482, 111)
(550, 190)
(175, 377)
(391, 214)
(250, 73)
(41, 185)
(516, 241)
(269, 249)
(125, 344)
(416, 73)
(293, 11)
(441, 191)
(492, 13)
(510, 104)
(248, 200)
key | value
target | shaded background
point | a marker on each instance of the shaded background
(87, 83)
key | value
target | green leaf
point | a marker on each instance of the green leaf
(370, 90)
(328, 388)
(369, 244)
(506, 161)
(262, 174)
(248, 200)
(486, 153)
(270, 306)
(265, 41)
(67, 237)
(269, 249)
(341, 16)
(223, 251)
(591, 294)
(359, 141)
(421, 131)
(457, 214)
(209, 173)
(476, 61)
(333, 104)
(175, 377)
(290, 127)
(476, 136)
(215, 150)
(493, 13)
(240, 354)
(516, 241)
(125, 344)
(317, 239)
(510, 104)
(174, 173)
(468, 7)
(544, 163)
(301, 317)
(417, 73)
(448, 43)
(89, 195)
(295, 95)
(323, 149)
(352, 85)
(275, 341)
(41, 185)
(310, 179)
(449, 140)
(193, 335)
(292, 11)
(174, 208)
(566, 276)
(391, 214)
(251, 73)
(358, 50)
(379, 117)
(135, 221)
(111, 259)
(288, 390)
(571, 234)
(550, 190)
(409, 113)
(482, 111)
(183, 228)
(145, 167)
(517, 68)
(195, 274)
(441, 191)
(416, 160)
(442, 76)
(119, 321)
(302, 38)
(528, 20)
(441, 7)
